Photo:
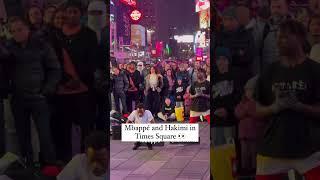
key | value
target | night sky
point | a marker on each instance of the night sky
(178, 13)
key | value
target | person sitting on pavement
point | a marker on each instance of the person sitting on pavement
(167, 112)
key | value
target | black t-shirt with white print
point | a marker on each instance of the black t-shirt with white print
(224, 96)
(288, 133)
(200, 104)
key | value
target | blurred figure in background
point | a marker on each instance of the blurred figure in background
(97, 21)
(48, 15)
(35, 18)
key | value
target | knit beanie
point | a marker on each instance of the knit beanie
(222, 51)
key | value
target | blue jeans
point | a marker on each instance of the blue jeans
(120, 96)
(38, 109)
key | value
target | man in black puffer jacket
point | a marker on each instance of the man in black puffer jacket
(34, 73)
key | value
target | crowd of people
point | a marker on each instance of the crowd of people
(266, 86)
(162, 87)
(53, 70)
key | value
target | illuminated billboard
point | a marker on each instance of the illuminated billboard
(202, 5)
(204, 19)
(135, 15)
(130, 2)
(184, 38)
(138, 35)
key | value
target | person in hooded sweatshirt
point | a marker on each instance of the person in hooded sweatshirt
(224, 93)
(97, 21)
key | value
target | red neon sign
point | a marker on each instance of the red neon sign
(135, 15)
(130, 2)
(199, 58)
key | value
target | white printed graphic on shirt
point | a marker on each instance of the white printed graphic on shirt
(223, 88)
(287, 88)
(179, 89)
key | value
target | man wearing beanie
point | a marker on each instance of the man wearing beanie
(240, 43)
(224, 93)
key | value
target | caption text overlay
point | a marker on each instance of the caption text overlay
(160, 133)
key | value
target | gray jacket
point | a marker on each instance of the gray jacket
(35, 69)
(267, 51)
(120, 83)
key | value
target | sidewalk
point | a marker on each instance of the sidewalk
(169, 162)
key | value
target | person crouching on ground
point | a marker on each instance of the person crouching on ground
(200, 98)
(141, 116)
(167, 112)
(89, 166)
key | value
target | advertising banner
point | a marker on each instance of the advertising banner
(202, 5)
(138, 35)
(204, 19)
(130, 2)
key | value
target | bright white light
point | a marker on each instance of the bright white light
(184, 38)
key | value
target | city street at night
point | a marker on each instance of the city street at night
(169, 162)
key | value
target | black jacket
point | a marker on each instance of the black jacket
(84, 53)
(135, 77)
(34, 69)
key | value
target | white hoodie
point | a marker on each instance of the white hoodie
(97, 23)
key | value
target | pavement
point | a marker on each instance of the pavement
(169, 162)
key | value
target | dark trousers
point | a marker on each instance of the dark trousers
(79, 109)
(138, 144)
(141, 96)
(131, 97)
(153, 102)
(120, 96)
(102, 113)
(2, 130)
(38, 109)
